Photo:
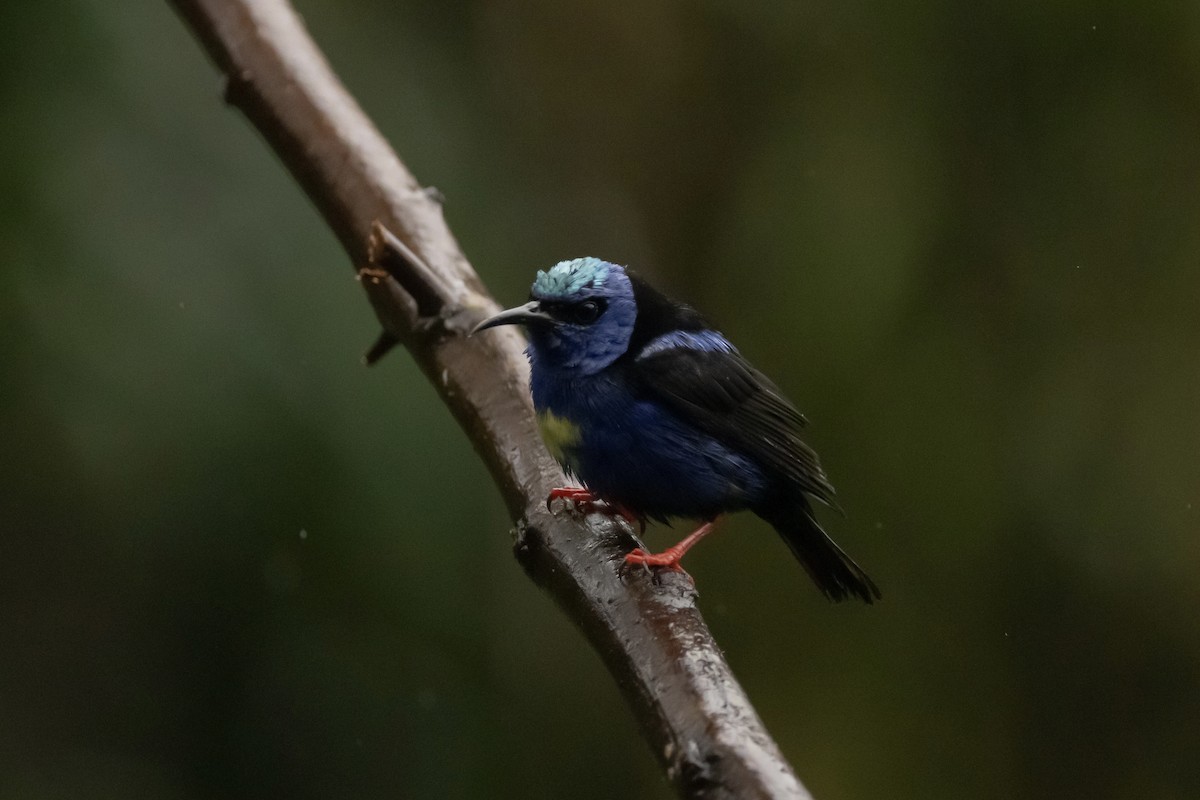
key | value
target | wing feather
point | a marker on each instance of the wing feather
(723, 395)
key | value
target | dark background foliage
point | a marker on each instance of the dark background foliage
(963, 236)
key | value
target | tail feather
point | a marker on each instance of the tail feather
(834, 572)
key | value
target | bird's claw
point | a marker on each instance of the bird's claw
(588, 503)
(584, 500)
(668, 559)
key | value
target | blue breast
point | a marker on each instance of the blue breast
(638, 453)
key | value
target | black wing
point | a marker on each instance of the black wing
(727, 398)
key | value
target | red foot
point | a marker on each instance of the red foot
(667, 559)
(576, 494)
(670, 557)
(588, 503)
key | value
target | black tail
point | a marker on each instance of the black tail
(834, 572)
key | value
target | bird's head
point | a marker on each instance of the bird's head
(580, 315)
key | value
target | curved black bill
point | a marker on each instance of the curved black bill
(521, 315)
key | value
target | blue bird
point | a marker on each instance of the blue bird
(659, 416)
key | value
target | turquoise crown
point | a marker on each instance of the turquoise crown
(568, 278)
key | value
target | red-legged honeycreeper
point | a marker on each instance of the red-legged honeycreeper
(659, 416)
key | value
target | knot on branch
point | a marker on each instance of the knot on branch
(696, 773)
(411, 300)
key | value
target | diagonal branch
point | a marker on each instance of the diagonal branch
(649, 633)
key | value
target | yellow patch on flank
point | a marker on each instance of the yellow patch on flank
(559, 434)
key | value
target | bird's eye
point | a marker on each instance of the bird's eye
(587, 312)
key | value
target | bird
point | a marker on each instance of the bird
(659, 416)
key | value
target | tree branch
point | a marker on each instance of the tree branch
(648, 631)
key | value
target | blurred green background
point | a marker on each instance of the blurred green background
(965, 238)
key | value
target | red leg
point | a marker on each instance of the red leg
(576, 494)
(670, 557)
(587, 502)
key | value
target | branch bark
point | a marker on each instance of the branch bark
(695, 716)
